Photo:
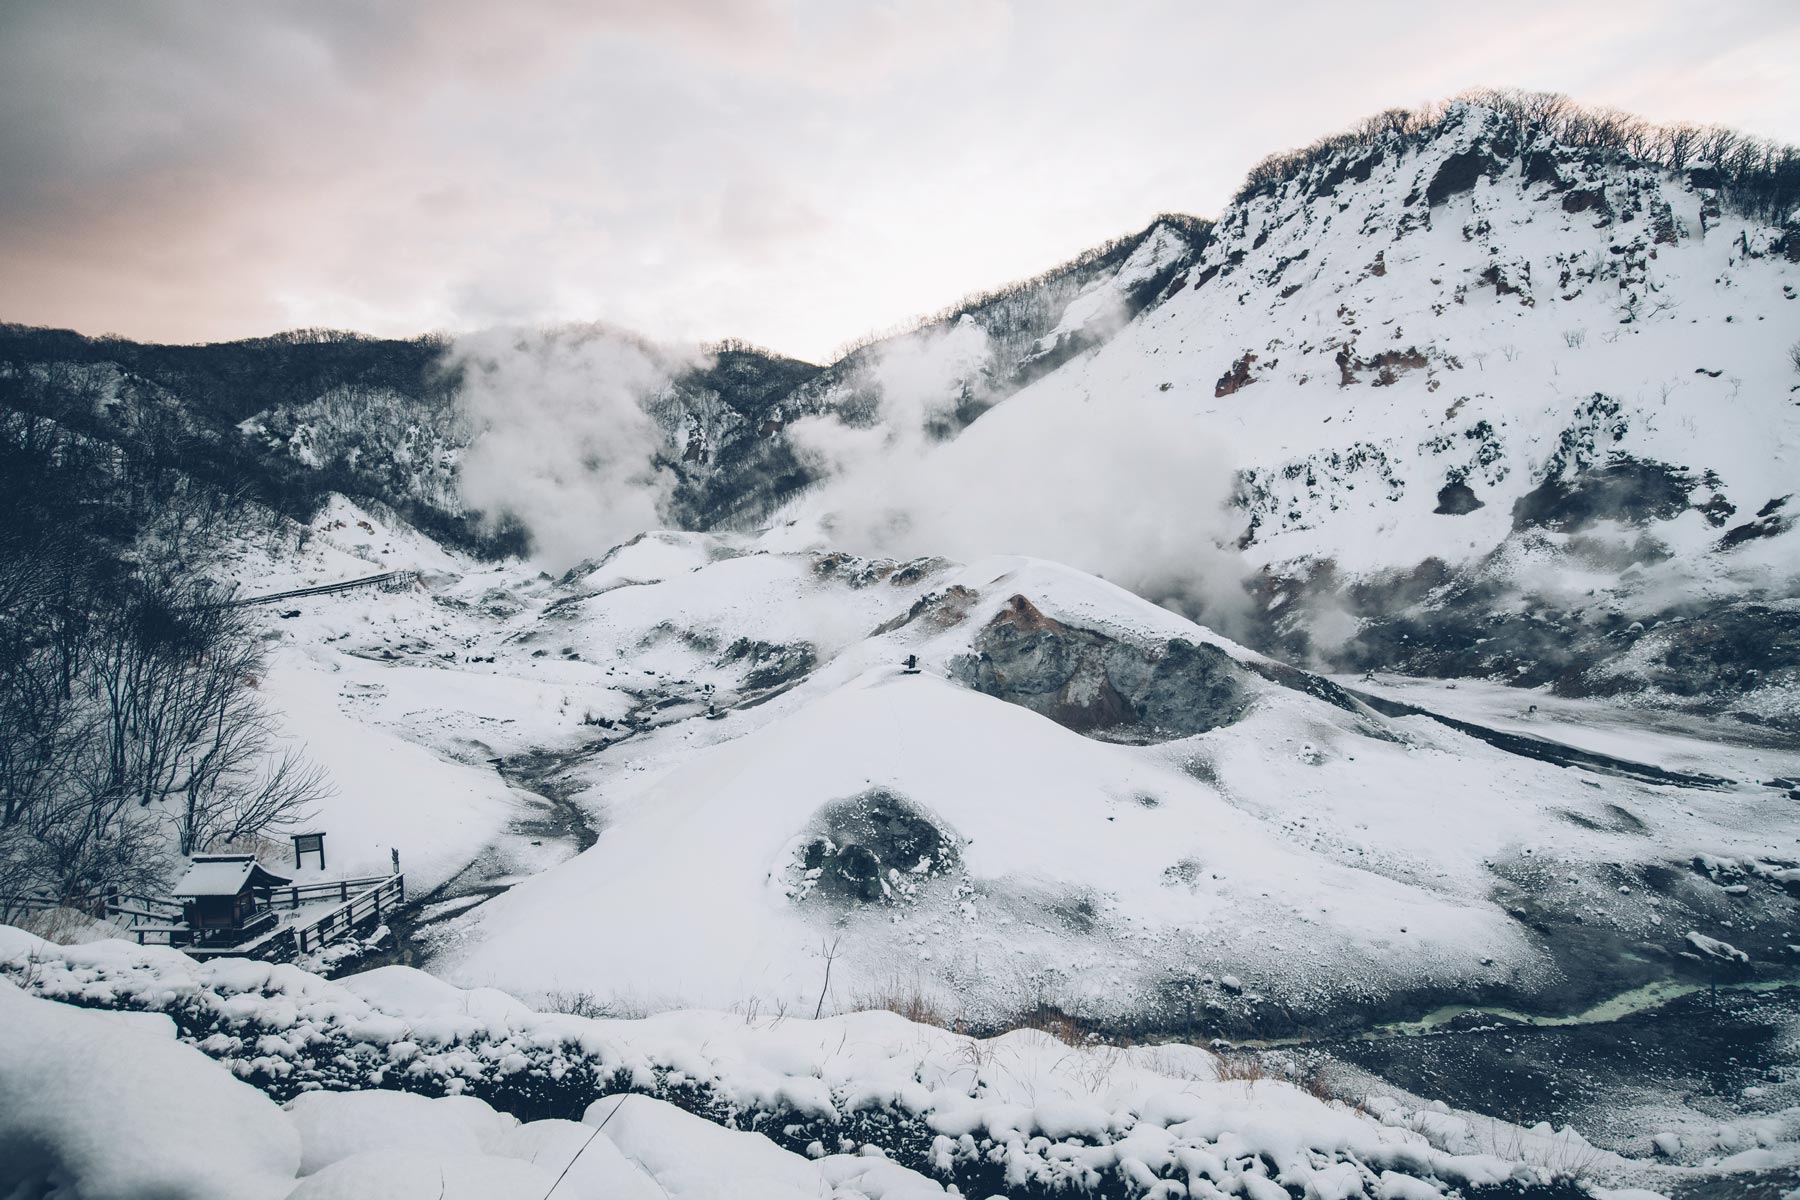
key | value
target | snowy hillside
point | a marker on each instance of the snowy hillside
(1358, 635)
(1080, 801)
(1490, 404)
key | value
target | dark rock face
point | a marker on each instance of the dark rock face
(1238, 377)
(874, 848)
(1457, 498)
(1350, 170)
(1717, 653)
(1770, 521)
(1584, 199)
(1441, 621)
(1101, 686)
(1458, 174)
(1629, 490)
(771, 666)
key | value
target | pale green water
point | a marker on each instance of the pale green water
(1639, 999)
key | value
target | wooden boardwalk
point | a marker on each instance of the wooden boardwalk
(388, 580)
(359, 904)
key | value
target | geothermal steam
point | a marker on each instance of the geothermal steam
(1126, 488)
(562, 442)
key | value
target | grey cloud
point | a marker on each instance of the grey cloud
(790, 171)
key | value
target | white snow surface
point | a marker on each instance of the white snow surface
(1151, 1111)
(107, 1106)
(1304, 850)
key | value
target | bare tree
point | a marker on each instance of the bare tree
(130, 728)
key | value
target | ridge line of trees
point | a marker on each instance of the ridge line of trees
(1761, 177)
(1196, 228)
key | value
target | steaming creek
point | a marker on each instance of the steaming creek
(552, 818)
(1669, 1055)
(1646, 998)
(1619, 1073)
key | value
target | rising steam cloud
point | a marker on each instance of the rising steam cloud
(561, 440)
(1128, 488)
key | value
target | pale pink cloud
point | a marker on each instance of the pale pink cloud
(791, 171)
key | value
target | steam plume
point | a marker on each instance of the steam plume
(561, 439)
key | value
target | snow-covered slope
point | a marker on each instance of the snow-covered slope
(1488, 402)
(1080, 800)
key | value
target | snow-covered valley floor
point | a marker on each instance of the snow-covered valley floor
(541, 754)
(694, 794)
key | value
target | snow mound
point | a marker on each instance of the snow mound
(112, 1107)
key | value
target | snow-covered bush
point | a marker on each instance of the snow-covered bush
(1022, 1115)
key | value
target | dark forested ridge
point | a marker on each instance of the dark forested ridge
(291, 418)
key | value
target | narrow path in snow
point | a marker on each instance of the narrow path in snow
(1543, 749)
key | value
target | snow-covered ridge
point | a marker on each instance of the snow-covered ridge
(1446, 314)
(1462, 379)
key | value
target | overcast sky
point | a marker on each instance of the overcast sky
(794, 172)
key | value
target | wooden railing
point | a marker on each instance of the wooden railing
(332, 889)
(162, 935)
(155, 922)
(135, 908)
(389, 894)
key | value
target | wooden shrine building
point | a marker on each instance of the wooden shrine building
(225, 897)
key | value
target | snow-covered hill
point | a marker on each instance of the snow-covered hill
(1081, 801)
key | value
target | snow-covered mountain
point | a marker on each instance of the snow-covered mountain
(1138, 651)
(1498, 406)
(1496, 397)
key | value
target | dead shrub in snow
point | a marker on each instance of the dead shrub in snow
(1066, 1028)
(910, 1000)
(63, 926)
(1241, 1068)
(583, 1003)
